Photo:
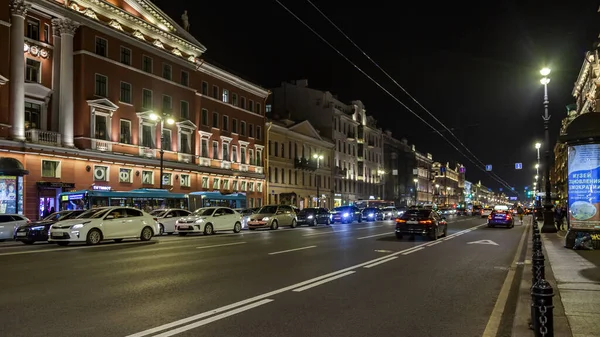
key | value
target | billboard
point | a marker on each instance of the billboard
(584, 186)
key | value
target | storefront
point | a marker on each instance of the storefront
(11, 186)
(48, 196)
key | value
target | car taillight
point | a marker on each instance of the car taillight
(400, 220)
(425, 222)
(490, 217)
(508, 217)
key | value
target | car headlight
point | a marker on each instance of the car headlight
(199, 220)
(309, 217)
(77, 226)
(265, 218)
(38, 228)
(345, 215)
(370, 215)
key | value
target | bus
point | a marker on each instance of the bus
(146, 199)
(374, 203)
(211, 199)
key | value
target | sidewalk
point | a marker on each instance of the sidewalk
(577, 274)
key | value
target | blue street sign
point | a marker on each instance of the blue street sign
(526, 187)
(500, 189)
(512, 188)
(488, 167)
(518, 166)
(442, 169)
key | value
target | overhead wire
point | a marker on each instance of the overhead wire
(399, 86)
(503, 183)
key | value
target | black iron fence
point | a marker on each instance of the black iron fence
(542, 293)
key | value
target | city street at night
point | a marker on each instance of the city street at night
(341, 280)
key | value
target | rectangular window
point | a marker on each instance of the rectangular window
(205, 182)
(215, 120)
(46, 33)
(33, 115)
(101, 46)
(216, 183)
(234, 125)
(185, 78)
(185, 145)
(204, 117)
(185, 180)
(243, 102)
(243, 128)
(258, 109)
(147, 136)
(204, 148)
(147, 64)
(234, 154)
(125, 136)
(234, 100)
(50, 169)
(184, 110)
(167, 72)
(268, 108)
(147, 177)
(125, 95)
(165, 140)
(125, 175)
(250, 105)
(167, 103)
(225, 126)
(147, 99)
(33, 71)
(101, 127)
(225, 154)
(33, 29)
(215, 93)
(101, 86)
(204, 88)
(125, 56)
(243, 153)
(225, 96)
(215, 150)
(258, 132)
(251, 130)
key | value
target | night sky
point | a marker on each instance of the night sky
(474, 65)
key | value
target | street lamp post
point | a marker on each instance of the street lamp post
(318, 157)
(170, 121)
(437, 187)
(416, 181)
(548, 226)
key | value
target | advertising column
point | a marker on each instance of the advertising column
(584, 196)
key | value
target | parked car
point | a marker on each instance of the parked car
(273, 216)
(390, 213)
(246, 214)
(346, 214)
(421, 222)
(105, 223)
(9, 224)
(209, 220)
(167, 218)
(313, 216)
(38, 230)
(501, 216)
(372, 214)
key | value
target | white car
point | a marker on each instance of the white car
(208, 220)
(9, 224)
(105, 223)
(167, 218)
(486, 212)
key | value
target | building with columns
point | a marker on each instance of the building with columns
(358, 156)
(299, 166)
(95, 93)
(448, 183)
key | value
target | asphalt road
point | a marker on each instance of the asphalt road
(340, 280)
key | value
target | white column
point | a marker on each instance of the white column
(55, 77)
(17, 68)
(67, 29)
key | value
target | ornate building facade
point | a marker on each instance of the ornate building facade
(96, 92)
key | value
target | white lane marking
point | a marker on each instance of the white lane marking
(434, 243)
(221, 245)
(265, 295)
(414, 250)
(80, 247)
(292, 250)
(213, 319)
(372, 236)
(381, 262)
(312, 285)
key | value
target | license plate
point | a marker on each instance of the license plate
(412, 222)
(184, 227)
(21, 234)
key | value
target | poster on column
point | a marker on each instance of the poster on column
(584, 186)
(8, 194)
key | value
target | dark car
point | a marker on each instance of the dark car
(313, 216)
(501, 217)
(38, 231)
(372, 214)
(346, 214)
(422, 222)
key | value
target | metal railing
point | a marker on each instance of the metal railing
(43, 137)
(542, 307)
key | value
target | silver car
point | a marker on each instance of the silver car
(273, 216)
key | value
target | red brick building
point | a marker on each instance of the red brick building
(91, 91)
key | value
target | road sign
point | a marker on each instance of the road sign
(518, 166)
(500, 189)
(483, 242)
(512, 188)
(488, 167)
(526, 187)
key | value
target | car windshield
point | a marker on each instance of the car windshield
(95, 213)
(419, 214)
(60, 216)
(341, 209)
(501, 208)
(159, 213)
(389, 209)
(370, 209)
(204, 211)
(268, 210)
(307, 210)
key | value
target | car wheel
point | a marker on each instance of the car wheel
(327, 222)
(314, 222)
(446, 231)
(208, 229)
(161, 230)
(434, 234)
(237, 227)
(146, 234)
(62, 243)
(274, 225)
(359, 218)
(94, 236)
(293, 225)
(28, 242)
(398, 236)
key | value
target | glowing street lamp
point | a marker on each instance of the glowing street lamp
(154, 116)
(318, 157)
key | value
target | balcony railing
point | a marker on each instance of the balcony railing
(351, 136)
(305, 164)
(102, 145)
(340, 172)
(202, 161)
(243, 167)
(185, 157)
(43, 137)
(147, 152)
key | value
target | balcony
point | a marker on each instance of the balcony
(371, 144)
(43, 137)
(340, 172)
(361, 133)
(147, 152)
(226, 165)
(305, 164)
(204, 161)
(185, 157)
(351, 136)
(243, 167)
(102, 145)
(259, 169)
